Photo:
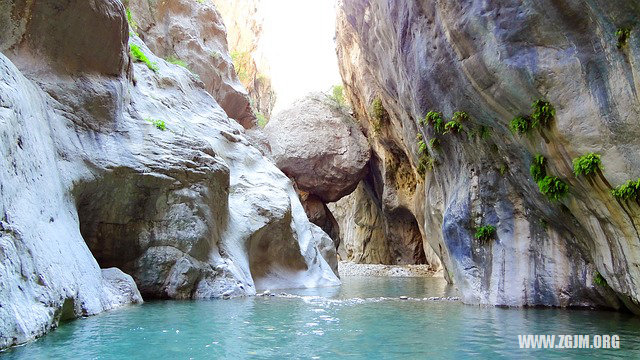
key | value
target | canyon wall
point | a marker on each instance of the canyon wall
(121, 176)
(244, 21)
(492, 60)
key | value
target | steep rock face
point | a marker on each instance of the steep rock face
(151, 177)
(492, 60)
(362, 237)
(319, 146)
(193, 32)
(244, 21)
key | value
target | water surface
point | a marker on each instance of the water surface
(351, 321)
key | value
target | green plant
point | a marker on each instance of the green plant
(503, 169)
(159, 124)
(201, 1)
(132, 23)
(599, 280)
(553, 188)
(425, 162)
(262, 120)
(378, 112)
(628, 191)
(538, 168)
(485, 232)
(422, 147)
(484, 132)
(460, 116)
(434, 118)
(543, 113)
(337, 95)
(520, 125)
(623, 35)
(452, 126)
(241, 63)
(175, 61)
(140, 56)
(587, 164)
(434, 143)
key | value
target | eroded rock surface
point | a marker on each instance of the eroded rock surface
(319, 146)
(193, 32)
(150, 177)
(492, 59)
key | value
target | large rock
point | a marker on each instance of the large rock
(89, 180)
(193, 32)
(492, 59)
(319, 146)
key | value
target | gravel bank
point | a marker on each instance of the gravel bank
(351, 269)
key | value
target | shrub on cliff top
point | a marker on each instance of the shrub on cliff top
(140, 56)
(553, 188)
(623, 35)
(485, 232)
(587, 164)
(628, 191)
(538, 168)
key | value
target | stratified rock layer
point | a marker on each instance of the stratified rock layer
(319, 146)
(492, 59)
(100, 174)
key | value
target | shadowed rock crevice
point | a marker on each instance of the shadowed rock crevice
(153, 227)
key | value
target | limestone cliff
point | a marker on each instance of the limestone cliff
(114, 160)
(492, 60)
(244, 22)
(192, 34)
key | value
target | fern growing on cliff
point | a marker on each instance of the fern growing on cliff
(452, 126)
(434, 118)
(538, 168)
(434, 143)
(553, 188)
(140, 56)
(628, 191)
(379, 114)
(543, 113)
(485, 233)
(623, 35)
(587, 164)
(520, 125)
(460, 116)
(425, 162)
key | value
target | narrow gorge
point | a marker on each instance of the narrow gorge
(167, 159)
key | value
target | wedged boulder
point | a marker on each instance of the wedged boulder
(192, 32)
(319, 146)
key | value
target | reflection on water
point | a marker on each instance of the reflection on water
(348, 321)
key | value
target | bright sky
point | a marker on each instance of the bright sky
(298, 44)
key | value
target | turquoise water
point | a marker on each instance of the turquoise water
(350, 321)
